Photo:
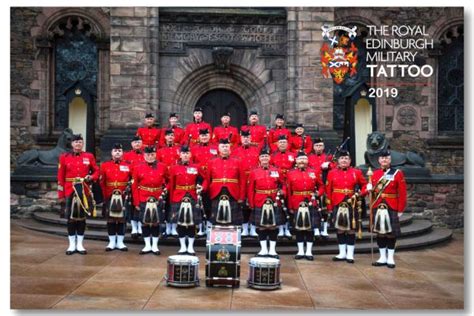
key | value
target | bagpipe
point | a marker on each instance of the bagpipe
(80, 202)
(338, 149)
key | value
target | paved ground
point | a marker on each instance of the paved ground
(42, 276)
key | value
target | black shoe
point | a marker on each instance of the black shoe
(139, 235)
(299, 257)
(122, 249)
(82, 252)
(325, 238)
(378, 264)
(317, 237)
(261, 256)
(391, 266)
(156, 253)
(350, 260)
(69, 252)
(191, 253)
(182, 253)
(274, 256)
(144, 252)
(338, 259)
(134, 236)
(109, 249)
(310, 258)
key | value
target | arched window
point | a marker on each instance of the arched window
(451, 82)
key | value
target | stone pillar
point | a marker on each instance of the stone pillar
(310, 96)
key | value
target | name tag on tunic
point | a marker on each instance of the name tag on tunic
(312, 175)
(85, 161)
(191, 170)
(389, 177)
(290, 158)
(274, 174)
(124, 168)
(213, 151)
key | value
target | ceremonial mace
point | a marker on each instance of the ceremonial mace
(369, 175)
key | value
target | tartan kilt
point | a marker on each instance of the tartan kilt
(106, 206)
(236, 212)
(161, 215)
(334, 218)
(173, 213)
(67, 212)
(314, 216)
(394, 222)
(256, 216)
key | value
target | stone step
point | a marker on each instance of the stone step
(100, 224)
(429, 237)
(410, 227)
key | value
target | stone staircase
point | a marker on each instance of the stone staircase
(416, 233)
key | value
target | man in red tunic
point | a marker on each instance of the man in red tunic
(322, 163)
(390, 200)
(134, 157)
(248, 156)
(265, 188)
(226, 131)
(284, 160)
(278, 130)
(296, 141)
(341, 187)
(304, 186)
(226, 187)
(114, 179)
(149, 134)
(257, 132)
(149, 181)
(191, 131)
(186, 182)
(177, 131)
(76, 171)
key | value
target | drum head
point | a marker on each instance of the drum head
(183, 259)
(265, 261)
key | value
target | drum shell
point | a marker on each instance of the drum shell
(182, 272)
(264, 275)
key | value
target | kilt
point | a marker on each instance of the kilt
(394, 222)
(106, 207)
(173, 213)
(256, 217)
(236, 212)
(314, 217)
(161, 215)
(82, 215)
(334, 218)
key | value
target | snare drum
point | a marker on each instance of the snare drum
(183, 271)
(264, 273)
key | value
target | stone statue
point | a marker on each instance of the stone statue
(46, 158)
(376, 142)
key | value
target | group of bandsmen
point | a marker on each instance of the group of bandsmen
(270, 183)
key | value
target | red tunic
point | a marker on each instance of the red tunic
(133, 157)
(226, 173)
(263, 183)
(296, 141)
(178, 136)
(248, 157)
(150, 135)
(183, 179)
(341, 183)
(113, 175)
(148, 180)
(301, 184)
(201, 155)
(284, 161)
(72, 165)
(315, 161)
(273, 135)
(395, 193)
(193, 130)
(221, 132)
(257, 134)
(168, 155)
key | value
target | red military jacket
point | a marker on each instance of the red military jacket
(284, 161)
(395, 193)
(296, 141)
(226, 173)
(168, 155)
(301, 184)
(203, 153)
(193, 130)
(148, 180)
(178, 136)
(221, 132)
(248, 158)
(183, 179)
(150, 135)
(114, 175)
(257, 133)
(315, 161)
(263, 183)
(133, 157)
(75, 165)
(341, 183)
(273, 135)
